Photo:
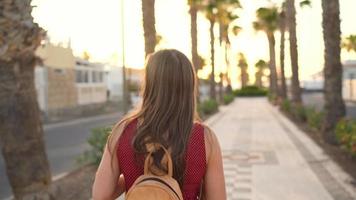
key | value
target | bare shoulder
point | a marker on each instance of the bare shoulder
(209, 134)
(211, 141)
(116, 133)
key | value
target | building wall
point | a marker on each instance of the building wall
(91, 93)
(90, 83)
(349, 81)
(349, 90)
(56, 56)
(41, 83)
(114, 83)
(62, 91)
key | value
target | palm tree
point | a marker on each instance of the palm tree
(260, 65)
(210, 14)
(226, 15)
(334, 103)
(21, 135)
(194, 7)
(282, 28)
(291, 23)
(350, 43)
(235, 30)
(148, 12)
(242, 63)
(267, 21)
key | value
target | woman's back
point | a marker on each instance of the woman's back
(166, 116)
(195, 160)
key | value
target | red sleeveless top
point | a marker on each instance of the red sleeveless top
(195, 159)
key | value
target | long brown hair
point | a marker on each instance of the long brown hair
(168, 109)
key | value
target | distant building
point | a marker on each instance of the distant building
(55, 78)
(114, 81)
(90, 82)
(349, 80)
(67, 85)
(315, 83)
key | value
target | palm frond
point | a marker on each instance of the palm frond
(305, 3)
(236, 30)
(260, 64)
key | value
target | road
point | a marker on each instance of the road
(65, 141)
(317, 100)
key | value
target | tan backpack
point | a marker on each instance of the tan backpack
(154, 187)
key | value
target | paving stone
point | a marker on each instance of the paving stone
(267, 158)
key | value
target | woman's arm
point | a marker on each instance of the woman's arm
(214, 181)
(108, 183)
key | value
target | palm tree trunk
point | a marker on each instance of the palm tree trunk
(194, 34)
(244, 76)
(21, 133)
(148, 12)
(212, 51)
(296, 91)
(334, 103)
(228, 79)
(282, 49)
(272, 63)
(258, 81)
(221, 89)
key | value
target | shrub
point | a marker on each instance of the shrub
(97, 141)
(249, 91)
(286, 106)
(346, 135)
(314, 118)
(299, 112)
(208, 107)
(228, 98)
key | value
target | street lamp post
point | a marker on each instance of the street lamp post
(124, 83)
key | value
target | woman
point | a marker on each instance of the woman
(167, 116)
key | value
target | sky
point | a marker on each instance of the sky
(95, 26)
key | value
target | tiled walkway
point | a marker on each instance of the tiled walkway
(266, 157)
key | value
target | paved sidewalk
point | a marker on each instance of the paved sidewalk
(266, 157)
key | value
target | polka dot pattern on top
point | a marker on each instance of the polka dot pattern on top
(131, 165)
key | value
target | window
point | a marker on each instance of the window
(78, 76)
(101, 77)
(59, 71)
(86, 76)
(95, 80)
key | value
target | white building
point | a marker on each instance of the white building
(114, 82)
(349, 80)
(90, 82)
(314, 83)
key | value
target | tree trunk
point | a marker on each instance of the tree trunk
(244, 76)
(221, 88)
(272, 64)
(334, 103)
(194, 34)
(296, 91)
(282, 49)
(148, 12)
(21, 133)
(258, 81)
(212, 50)
(228, 76)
